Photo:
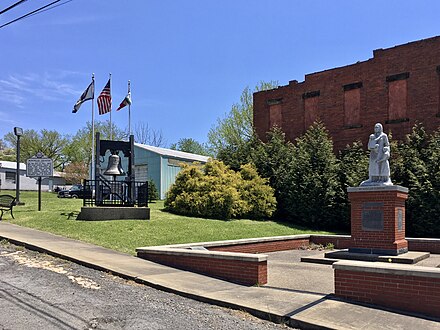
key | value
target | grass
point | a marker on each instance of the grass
(58, 216)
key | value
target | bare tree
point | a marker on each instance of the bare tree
(145, 135)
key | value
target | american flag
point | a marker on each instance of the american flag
(105, 100)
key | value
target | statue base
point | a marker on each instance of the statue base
(378, 219)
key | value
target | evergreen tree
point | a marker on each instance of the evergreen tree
(353, 169)
(316, 189)
(409, 170)
(274, 161)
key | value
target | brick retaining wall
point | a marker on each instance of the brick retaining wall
(339, 241)
(408, 288)
(239, 260)
(264, 247)
(431, 245)
(247, 269)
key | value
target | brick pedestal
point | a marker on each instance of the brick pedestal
(378, 220)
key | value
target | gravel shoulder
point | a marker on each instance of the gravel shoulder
(38, 291)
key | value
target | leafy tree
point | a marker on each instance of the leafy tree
(80, 147)
(190, 145)
(8, 154)
(235, 156)
(76, 172)
(236, 128)
(50, 143)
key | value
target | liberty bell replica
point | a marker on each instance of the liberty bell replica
(114, 167)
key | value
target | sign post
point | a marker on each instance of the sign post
(39, 166)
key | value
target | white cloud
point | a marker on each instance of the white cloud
(19, 89)
(78, 20)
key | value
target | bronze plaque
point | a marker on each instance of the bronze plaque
(372, 216)
(399, 219)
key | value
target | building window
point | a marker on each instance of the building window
(10, 176)
(311, 102)
(397, 98)
(352, 105)
(275, 112)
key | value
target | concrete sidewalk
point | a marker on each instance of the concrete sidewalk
(298, 308)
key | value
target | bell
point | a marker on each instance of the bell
(114, 165)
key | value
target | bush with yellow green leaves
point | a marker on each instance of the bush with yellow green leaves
(215, 191)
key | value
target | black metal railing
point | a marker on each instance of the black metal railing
(115, 193)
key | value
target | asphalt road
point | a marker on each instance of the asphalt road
(38, 291)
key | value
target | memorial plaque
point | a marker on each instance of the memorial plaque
(372, 216)
(399, 219)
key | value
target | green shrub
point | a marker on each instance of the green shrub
(215, 191)
(153, 194)
(257, 196)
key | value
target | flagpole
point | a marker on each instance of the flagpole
(92, 172)
(129, 112)
(111, 128)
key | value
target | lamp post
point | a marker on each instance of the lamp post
(18, 131)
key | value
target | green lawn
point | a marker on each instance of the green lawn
(58, 216)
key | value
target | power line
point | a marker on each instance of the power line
(12, 6)
(53, 7)
(36, 11)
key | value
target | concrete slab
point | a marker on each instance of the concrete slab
(405, 258)
(276, 303)
(189, 283)
(286, 271)
(335, 314)
(319, 259)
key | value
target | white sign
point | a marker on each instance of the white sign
(39, 166)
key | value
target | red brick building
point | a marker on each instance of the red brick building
(398, 87)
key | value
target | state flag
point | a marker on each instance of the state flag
(125, 102)
(88, 94)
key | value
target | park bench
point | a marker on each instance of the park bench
(7, 202)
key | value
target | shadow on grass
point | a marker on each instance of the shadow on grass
(70, 215)
(281, 222)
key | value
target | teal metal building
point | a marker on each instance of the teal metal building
(161, 165)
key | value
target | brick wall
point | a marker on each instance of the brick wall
(239, 271)
(397, 87)
(250, 270)
(339, 242)
(264, 247)
(398, 287)
(431, 245)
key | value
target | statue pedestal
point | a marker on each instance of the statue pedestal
(378, 220)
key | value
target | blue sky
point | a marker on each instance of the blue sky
(188, 61)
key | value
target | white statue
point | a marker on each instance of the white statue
(379, 167)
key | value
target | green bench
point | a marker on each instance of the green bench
(7, 202)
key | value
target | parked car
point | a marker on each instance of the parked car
(75, 192)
